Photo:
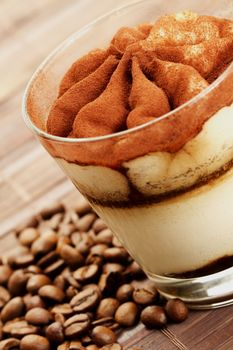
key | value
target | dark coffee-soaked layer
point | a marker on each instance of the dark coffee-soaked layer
(213, 267)
(137, 199)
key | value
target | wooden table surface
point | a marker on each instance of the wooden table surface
(30, 179)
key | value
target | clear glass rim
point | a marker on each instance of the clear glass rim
(61, 48)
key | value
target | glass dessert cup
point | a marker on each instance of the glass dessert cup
(171, 210)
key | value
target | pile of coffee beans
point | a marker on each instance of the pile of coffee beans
(74, 287)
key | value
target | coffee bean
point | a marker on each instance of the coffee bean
(176, 310)
(48, 212)
(109, 282)
(60, 282)
(92, 347)
(85, 300)
(107, 307)
(94, 259)
(35, 282)
(71, 292)
(14, 308)
(38, 316)
(116, 242)
(85, 222)
(47, 259)
(104, 236)
(32, 270)
(54, 333)
(127, 314)
(85, 244)
(114, 346)
(61, 241)
(44, 244)
(77, 325)
(134, 271)
(52, 293)
(112, 267)
(28, 236)
(66, 229)
(23, 260)
(71, 280)
(116, 254)
(4, 296)
(55, 221)
(71, 256)
(32, 301)
(154, 317)
(76, 345)
(35, 342)
(64, 309)
(64, 346)
(104, 321)
(55, 268)
(9, 344)
(124, 293)
(99, 225)
(18, 329)
(86, 274)
(82, 207)
(102, 336)
(98, 249)
(143, 296)
(59, 318)
(17, 282)
(5, 273)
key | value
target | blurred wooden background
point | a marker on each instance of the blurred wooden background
(30, 179)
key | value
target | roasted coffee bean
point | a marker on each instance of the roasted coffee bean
(86, 340)
(66, 229)
(154, 317)
(127, 314)
(52, 293)
(5, 273)
(38, 316)
(44, 244)
(85, 244)
(86, 300)
(17, 282)
(104, 321)
(116, 254)
(176, 310)
(99, 225)
(71, 292)
(55, 221)
(98, 249)
(104, 236)
(59, 318)
(14, 308)
(85, 222)
(134, 271)
(102, 336)
(77, 325)
(55, 268)
(75, 238)
(54, 333)
(35, 342)
(76, 345)
(109, 282)
(33, 270)
(112, 267)
(107, 307)
(71, 280)
(125, 293)
(64, 346)
(92, 347)
(82, 207)
(47, 259)
(64, 309)
(94, 259)
(18, 329)
(71, 256)
(116, 242)
(114, 346)
(32, 301)
(9, 344)
(28, 236)
(48, 212)
(143, 296)
(86, 274)
(35, 282)
(4, 296)
(60, 282)
(22, 261)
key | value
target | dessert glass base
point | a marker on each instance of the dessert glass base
(171, 210)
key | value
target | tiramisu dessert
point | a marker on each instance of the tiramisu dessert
(151, 120)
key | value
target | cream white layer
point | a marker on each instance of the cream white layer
(181, 234)
(161, 172)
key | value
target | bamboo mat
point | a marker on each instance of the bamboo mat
(30, 179)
